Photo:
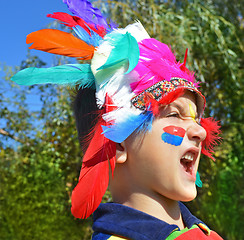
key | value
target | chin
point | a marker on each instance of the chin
(189, 195)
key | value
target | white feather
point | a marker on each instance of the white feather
(113, 81)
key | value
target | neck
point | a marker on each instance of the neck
(165, 209)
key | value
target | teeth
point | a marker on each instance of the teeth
(189, 156)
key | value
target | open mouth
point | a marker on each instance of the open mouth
(188, 162)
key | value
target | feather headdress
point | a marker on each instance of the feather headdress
(132, 73)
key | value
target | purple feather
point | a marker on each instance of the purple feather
(85, 10)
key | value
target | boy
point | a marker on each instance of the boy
(148, 131)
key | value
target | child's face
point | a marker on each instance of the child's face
(159, 163)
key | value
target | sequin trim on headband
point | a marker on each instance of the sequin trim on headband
(160, 89)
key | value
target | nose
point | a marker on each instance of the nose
(196, 132)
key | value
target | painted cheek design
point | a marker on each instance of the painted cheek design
(173, 135)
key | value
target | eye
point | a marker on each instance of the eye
(173, 114)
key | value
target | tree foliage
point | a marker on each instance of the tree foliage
(39, 165)
(40, 156)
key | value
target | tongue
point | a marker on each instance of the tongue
(187, 164)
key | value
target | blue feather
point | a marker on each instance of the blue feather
(94, 39)
(140, 123)
(70, 74)
(125, 48)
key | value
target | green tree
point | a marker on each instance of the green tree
(39, 162)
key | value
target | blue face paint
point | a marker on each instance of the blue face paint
(173, 135)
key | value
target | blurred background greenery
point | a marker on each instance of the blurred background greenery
(40, 157)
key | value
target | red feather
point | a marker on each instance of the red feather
(72, 21)
(154, 105)
(172, 96)
(110, 106)
(94, 175)
(183, 65)
(58, 42)
(213, 130)
(65, 18)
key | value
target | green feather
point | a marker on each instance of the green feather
(125, 48)
(198, 180)
(70, 74)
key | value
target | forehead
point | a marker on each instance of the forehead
(183, 102)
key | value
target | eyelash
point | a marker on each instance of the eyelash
(173, 114)
(177, 115)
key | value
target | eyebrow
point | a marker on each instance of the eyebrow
(178, 106)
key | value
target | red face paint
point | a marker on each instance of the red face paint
(174, 130)
(173, 135)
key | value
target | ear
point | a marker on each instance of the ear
(121, 153)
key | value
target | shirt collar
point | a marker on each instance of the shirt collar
(124, 221)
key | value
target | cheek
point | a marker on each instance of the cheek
(173, 135)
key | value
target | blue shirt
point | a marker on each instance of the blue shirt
(116, 219)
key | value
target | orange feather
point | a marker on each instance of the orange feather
(58, 42)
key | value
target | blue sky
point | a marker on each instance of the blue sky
(18, 18)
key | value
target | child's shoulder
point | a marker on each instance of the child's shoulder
(112, 220)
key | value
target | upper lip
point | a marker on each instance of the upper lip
(192, 150)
